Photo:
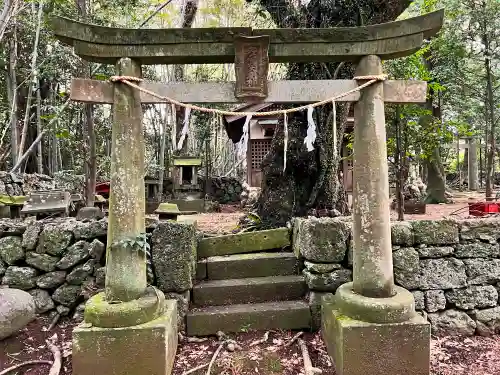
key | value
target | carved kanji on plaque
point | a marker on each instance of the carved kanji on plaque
(251, 66)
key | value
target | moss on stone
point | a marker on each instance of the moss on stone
(101, 313)
(148, 348)
(244, 242)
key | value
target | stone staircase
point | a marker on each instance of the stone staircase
(246, 282)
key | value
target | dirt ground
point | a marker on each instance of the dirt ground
(450, 356)
(225, 221)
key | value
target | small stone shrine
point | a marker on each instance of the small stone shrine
(187, 191)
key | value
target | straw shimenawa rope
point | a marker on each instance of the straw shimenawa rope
(128, 80)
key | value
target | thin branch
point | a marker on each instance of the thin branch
(158, 10)
(31, 84)
(24, 364)
(56, 352)
(214, 357)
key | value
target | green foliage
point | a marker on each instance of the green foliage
(138, 243)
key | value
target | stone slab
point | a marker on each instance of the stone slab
(249, 290)
(244, 243)
(173, 250)
(143, 349)
(240, 266)
(292, 91)
(46, 202)
(238, 318)
(360, 348)
(201, 270)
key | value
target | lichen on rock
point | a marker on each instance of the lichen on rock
(452, 323)
(473, 297)
(174, 256)
(76, 253)
(11, 250)
(322, 240)
(23, 278)
(435, 232)
(54, 239)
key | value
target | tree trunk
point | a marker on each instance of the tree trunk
(39, 154)
(311, 179)
(436, 177)
(54, 152)
(31, 85)
(163, 141)
(89, 166)
(490, 117)
(188, 15)
(436, 187)
(12, 96)
(9, 9)
(91, 163)
(399, 166)
(472, 164)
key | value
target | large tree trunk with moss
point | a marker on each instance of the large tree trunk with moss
(436, 187)
(311, 179)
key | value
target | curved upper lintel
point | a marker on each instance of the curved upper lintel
(215, 45)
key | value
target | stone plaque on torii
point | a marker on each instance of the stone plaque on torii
(372, 326)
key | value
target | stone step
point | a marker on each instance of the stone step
(258, 316)
(241, 243)
(241, 266)
(249, 290)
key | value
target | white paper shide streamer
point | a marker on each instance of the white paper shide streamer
(185, 128)
(243, 144)
(173, 117)
(334, 128)
(311, 130)
(285, 124)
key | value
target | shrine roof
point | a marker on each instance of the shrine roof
(187, 161)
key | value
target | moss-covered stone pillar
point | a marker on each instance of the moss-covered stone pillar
(125, 266)
(372, 256)
(370, 319)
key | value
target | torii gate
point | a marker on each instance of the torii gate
(371, 307)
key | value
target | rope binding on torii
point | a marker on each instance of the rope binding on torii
(243, 144)
(128, 80)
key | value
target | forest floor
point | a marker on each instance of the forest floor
(449, 356)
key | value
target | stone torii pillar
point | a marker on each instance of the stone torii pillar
(131, 328)
(371, 326)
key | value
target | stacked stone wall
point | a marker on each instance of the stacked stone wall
(224, 189)
(451, 267)
(60, 262)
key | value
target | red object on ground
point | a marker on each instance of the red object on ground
(102, 188)
(483, 208)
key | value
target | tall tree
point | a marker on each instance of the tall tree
(9, 9)
(311, 179)
(90, 167)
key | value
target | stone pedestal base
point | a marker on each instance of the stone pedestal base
(359, 347)
(148, 348)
